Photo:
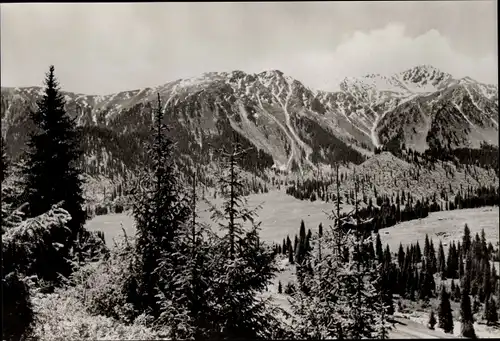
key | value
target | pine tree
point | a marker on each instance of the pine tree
(476, 305)
(290, 256)
(185, 308)
(444, 314)
(441, 262)
(52, 175)
(426, 247)
(419, 252)
(345, 300)
(466, 316)
(378, 249)
(451, 262)
(452, 290)
(490, 313)
(4, 161)
(401, 256)
(486, 288)
(25, 245)
(161, 210)
(18, 317)
(244, 265)
(432, 258)
(8, 193)
(301, 244)
(466, 240)
(432, 320)
(280, 288)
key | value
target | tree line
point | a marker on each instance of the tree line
(410, 273)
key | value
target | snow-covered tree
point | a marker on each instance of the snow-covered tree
(26, 244)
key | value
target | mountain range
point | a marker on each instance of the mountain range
(289, 125)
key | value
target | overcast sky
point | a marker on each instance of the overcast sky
(105, 48)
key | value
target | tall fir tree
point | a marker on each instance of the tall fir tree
(244, 264)
(401, 256)
(52, 174)
(185, 306)
(378, 249)
(441, 261)
(290, 255)
(444, 314)
(161, 210)
(466, 239)
(432, 320)
(467, 320)
(490, 311)
(4, 161)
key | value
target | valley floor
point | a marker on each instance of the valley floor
(411, 323)
(281, 215)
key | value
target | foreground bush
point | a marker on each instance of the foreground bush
(18, 316)
(61, 317)
(104, 286)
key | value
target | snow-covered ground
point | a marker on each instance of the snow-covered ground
(445, 226)
(281, 215)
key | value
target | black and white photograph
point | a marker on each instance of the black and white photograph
(307, 170)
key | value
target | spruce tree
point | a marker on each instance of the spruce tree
(444, 314)
(185, 305)
(486, 288)
(419, 252)
(161, 210)
(466, 239)
(300, 250)
(432, 320)
(244, 265)
(401, 256)
(432, 258)
(345, 299)
(441, 261)
(290, 255)
(458, 293)
(466, 316)
(4, 161)
(426, 247)
(18, 317)
(7, 193)
(52, 174)
(491, 313)
(378, 249)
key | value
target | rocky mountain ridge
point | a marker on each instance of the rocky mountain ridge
(290, 126)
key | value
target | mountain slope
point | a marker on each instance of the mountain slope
(289, 126)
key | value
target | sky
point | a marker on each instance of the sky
(102, 48)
